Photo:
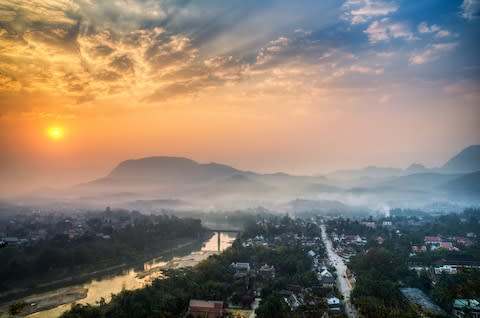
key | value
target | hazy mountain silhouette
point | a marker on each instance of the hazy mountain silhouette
(467, 184)
(368, 172)
(416, 168)
(176, 182)
(467, 160)
(419, 181)
(170, 169)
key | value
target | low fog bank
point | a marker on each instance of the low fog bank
(281, 197)
(178, 184)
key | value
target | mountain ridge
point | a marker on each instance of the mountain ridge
(467, 160)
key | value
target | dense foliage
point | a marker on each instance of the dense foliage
(381, 270)
(463, 285)
(214, 279)
(60, 254)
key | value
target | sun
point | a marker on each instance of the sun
(55, 132)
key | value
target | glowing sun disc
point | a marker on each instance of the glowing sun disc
(55, 132)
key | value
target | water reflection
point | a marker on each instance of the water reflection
(141, 276)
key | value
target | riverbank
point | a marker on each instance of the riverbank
(130, 278)
(48, 300)
(106, 270)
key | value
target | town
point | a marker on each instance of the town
(400, 265)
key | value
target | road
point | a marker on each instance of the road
(343, 284)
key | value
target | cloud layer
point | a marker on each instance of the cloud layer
(270, 79)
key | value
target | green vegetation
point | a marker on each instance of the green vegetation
(211, 279)
(214, 279)
(60, 255)
(16, 307)
(378, 272)
(464, 285)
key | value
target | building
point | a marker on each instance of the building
(267, 271)
(369, 224)
(447, 246)
(453, 262)
(241, 267)
(419, 249)
(205, 309)
(416, 297)
(325, 273)
(354, 239)
(462, 306)
(334, 305)
(11, 240)
(326, 282)
(294, 301)
(380, 240)
(433, 240)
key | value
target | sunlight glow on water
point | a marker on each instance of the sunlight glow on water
(132, 279)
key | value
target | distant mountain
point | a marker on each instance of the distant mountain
(179, 175)
(468, 184)
(368, 172)
(418, 181)
(321, 206)
(170, 169)
(468, 160)
(416, 168)
(236, 184)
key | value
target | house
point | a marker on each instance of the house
(294, 301)
(325, 273)
(355, 239)
(463, 241)
(380, 240)
(419, 249)
(267, 271)
(387, 223)
(334, 305)
(11, 240)
(326, 282)
(205, 309)
(311, 253)
(447, 245)
(241, 267)
(418, 298)
(451, 263)
(461, 306)
(433, 240)
(3, 244)
(369, 224)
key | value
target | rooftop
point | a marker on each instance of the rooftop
(416, 296)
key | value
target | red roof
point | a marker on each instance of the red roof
(446, 245)
(433, 239)
(203, 308)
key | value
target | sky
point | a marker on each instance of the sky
(304, 87)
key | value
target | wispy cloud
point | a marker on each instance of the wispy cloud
(425, 28)
(432, 53)
(470, 9)
(362, 11)
(384, 30)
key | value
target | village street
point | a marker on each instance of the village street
(343, 284)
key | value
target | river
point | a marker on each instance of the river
(134, 277)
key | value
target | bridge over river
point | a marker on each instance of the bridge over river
(218, 231)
